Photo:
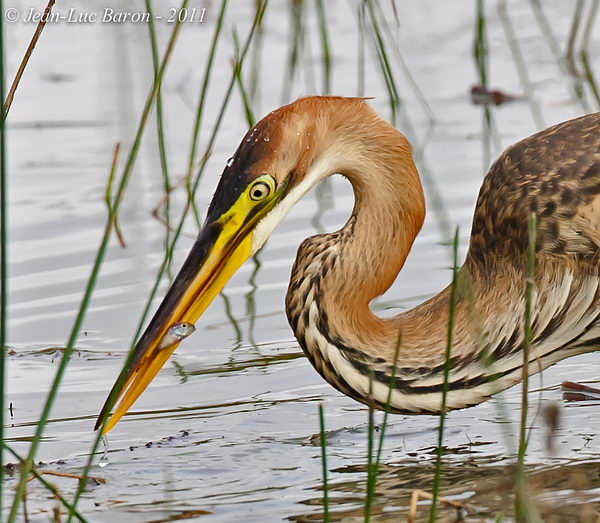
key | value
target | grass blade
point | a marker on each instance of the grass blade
(575, 24)
(296, 42)
(384, 63)
(480, 56)
(25, 60)
(3, 252)
(108, 194)
(237, 72)
(480, 46)
(256, 59)
(324, 47)
(370, 445)
(162, 148)
(372, 477)
(323, 442)
(523, 508)
(435, 491)
(200, 108)
(583, 52)
(360, 68)
(519, 61)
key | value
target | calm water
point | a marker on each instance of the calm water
(228, 429)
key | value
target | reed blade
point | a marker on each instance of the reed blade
(3, 252)
(323, 443)
(437, 478)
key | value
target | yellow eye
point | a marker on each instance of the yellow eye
(259, 191)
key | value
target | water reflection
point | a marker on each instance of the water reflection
(250, 300)
(563, 492)
(232, 320)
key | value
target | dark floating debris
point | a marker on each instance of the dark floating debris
(162, 442)
(577, 392)
(481, 95)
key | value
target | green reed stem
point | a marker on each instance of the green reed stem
(384, 63)
(569, 58)
(108, 194)
(392, 37)
(562, 61)
(522, 504)
(372, 477)
(130, 162)
(547, 31)
(370, 446)
(3, 252)
(323, 442)
(48, 485)
(480, 46)
(480, 55)
(435, 491)
(388, 402)
(324, 46)
(519, 60)
(176, 233)
(200, 108)
(237, 71)
(575, 24)
(583, 52)
(162, 149)
(360, 83)
(431, 188)
(21, 69)
(255, 71)
(205, 83)
(296, 45)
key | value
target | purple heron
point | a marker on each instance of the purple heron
(554, 174)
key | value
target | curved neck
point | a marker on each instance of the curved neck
(337, 275)
(388, 213)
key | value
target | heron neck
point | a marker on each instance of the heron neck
(362, 260)
(337, 275)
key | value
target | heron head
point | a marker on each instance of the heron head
(276, 163)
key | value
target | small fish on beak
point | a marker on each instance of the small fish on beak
(176, 333)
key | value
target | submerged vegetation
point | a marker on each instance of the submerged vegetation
(310, 66)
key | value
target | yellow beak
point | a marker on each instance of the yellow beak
(220, 249)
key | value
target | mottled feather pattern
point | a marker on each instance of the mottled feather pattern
(556, 175)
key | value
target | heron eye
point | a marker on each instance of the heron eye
(259, 191)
